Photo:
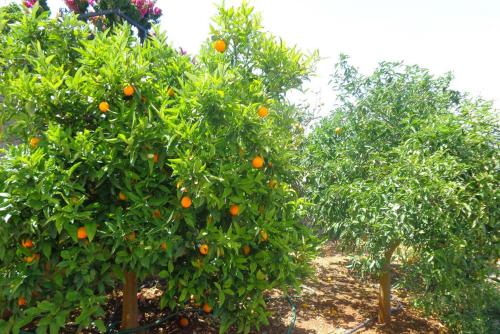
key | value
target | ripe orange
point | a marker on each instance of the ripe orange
(258, 162)
(220, 46)
(34, 257)
(263, 235)
(186, 202)
(171, 92)
(164, 246)
(234, 210)
(27, 243)
(338, 131)
(183, 322)
(34, 142)
(156, 157)
(246, 249)
(82, 232)
(156, 213)
(131, 236)
(207, 308)
(203, 249)
(129, 90)
(21, 301)
(263, 111)
(122, 196)
(104, 106)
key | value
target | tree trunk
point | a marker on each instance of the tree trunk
(384, 297)
(130, 309)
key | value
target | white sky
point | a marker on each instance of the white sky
(462, 36)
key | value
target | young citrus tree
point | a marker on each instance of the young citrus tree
(405, 162)
(137, 163)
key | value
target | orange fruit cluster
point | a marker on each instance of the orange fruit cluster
(128, 90)
(183, 322)
(82, 233)
(186, 202)
(131, 236)
(27, 243)
(207, 308)
(246, 250)
(122, 196)
(104, 106)
(30, 259)
(203, 249)
(262, 111)
(21, 301)
(220, 45)
(34, 142)
(234, 210)
(258, 162)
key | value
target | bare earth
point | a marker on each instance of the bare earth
(334, 301)
(331, 302)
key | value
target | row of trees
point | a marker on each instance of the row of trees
(137, 162)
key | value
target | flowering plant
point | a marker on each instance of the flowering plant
(144, 12)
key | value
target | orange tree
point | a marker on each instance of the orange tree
(137, 163)
(404, 162)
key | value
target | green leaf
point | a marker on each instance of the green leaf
(91, 230)
(46, 249)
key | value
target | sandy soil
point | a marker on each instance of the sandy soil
(331, 302)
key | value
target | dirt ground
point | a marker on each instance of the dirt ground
(334, 301)
(331, 302)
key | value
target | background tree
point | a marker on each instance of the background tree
(406, 163)
(142, 13)
(137, 163)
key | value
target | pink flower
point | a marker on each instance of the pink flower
(146, 7)
(77, 5)
(30, 3)
(157, 11)
(73, 5)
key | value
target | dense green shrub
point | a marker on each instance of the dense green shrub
(405, 162)
(146, 184)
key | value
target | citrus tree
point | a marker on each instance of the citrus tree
(137, 163)
(405, 162)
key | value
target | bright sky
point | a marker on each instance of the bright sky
(462, 36)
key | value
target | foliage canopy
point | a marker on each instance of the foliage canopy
(99, 189)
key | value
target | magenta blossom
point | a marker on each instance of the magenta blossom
(77, 5)
(146, 7)
(30, 3)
